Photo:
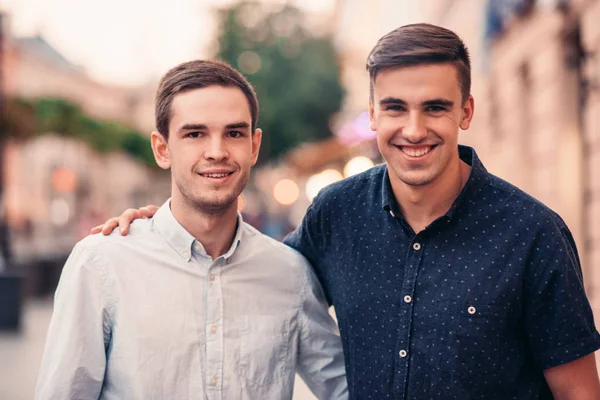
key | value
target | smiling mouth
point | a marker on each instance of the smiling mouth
(416, 151)
(216, 175)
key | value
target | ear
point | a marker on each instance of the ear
(468, 111)
(160, 148)
(372, 114)
(256, 140)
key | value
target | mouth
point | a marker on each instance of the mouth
(216, 176)
(416, 152)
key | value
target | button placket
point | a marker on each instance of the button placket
(213, 328)
(413, 260)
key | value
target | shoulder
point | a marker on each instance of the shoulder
(361, 188)
(360, 182)
(279, 257)
(519, 207)
(101, 247)
(272, 249)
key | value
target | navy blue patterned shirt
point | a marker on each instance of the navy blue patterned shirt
(475, 306)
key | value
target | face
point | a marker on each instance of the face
(210, 149)
(417, 112)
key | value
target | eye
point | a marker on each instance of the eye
(394, 107)
(435, 109)
(193, 135)
(235, 134)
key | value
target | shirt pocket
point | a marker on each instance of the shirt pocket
(264, 342)
(475, 339)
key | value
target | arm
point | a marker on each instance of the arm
(559, 320)
(74, 358)
(576, 380)
(320, 357)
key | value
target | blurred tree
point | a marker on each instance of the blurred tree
(26, 118)
(295, 73)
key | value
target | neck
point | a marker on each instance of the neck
(421, 205)
(214, 231)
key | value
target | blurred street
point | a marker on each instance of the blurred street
(21, 352)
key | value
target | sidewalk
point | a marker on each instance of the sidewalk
(21, 352)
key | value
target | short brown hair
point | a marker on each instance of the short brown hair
(199, 74)
(421, 44)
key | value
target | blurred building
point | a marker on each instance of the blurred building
(57, 188)
(35, 69)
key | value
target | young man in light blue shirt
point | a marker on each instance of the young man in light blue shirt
(194, 303)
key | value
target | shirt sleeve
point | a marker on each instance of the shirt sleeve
(320, 356)
(306, 237)
(558, 318)
(74, 358)
(310, 240)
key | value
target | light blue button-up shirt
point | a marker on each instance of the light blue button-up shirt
(152, 316)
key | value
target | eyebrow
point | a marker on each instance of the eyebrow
(391, 100)
(434, 102)
(237, 125)
(439, 102)
(192, 127)
(203, 127)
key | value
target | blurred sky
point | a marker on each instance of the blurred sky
(125, 41)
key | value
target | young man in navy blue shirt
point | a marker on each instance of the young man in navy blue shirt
(448, 282)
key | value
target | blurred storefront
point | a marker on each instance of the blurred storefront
(57, 187)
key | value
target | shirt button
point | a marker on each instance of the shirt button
(213, 329)
(417, 246)
(213, 381)
(186, 254)
(402, 353)
(471, 310)
(211, 277)
(407, 299)
(197, 247)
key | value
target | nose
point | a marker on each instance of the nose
(216, 150)
(414, 131)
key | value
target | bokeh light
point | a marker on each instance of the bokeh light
(357, 165)
(315, 183)
(64, 180)
(286, 192)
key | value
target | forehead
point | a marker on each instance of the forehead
(212, 105)
(418, 82)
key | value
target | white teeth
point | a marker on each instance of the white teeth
(416, 152)
(221, 175)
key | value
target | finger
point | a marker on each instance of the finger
(148, 211)
(109, 226)
(126, 218)
(145, 212)
(96, 229)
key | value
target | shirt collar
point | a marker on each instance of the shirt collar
(476, 177)
(181, 240)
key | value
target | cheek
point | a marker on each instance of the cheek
(387, 126)
(446, 127)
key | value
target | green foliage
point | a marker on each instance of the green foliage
(64, 118)
(295, 73)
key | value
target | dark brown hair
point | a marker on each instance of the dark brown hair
(199, 74)
(421, 44)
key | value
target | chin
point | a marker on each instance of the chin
(216, 204)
